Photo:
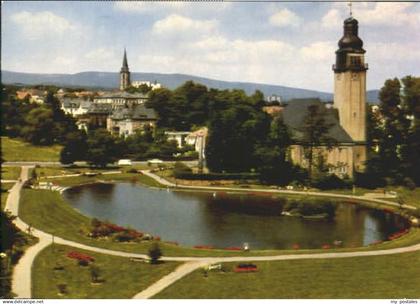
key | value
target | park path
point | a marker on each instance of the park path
(367, 198)
(21, 278)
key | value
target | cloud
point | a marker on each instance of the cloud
(148, 7)
(320, 50)
(378, 14)
(176, 25)
(389, 14)
(332, 19)
(285, 18)
(41, 24)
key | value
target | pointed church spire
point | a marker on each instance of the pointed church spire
(124, 67)
(124, 73)
(125, 64)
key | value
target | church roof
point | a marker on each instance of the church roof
(124, 95)
(294, 116)
(136, 112)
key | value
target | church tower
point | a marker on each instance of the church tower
(124, 74)
(350, 82)
(350, 89)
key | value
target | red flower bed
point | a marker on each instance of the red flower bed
(398, 234)
(80, 256)
(246, 268)
(296, 246)
(326, 246)
(203, 247)
(115, 228)
(233, 248)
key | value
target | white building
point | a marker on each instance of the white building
(153, 85)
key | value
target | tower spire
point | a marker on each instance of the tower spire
(124, 73)
(350, 8)
(125, 64)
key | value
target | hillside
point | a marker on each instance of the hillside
(110, 80)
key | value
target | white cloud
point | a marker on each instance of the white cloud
(147, 7)
(389, 14)
(183, 26)
(320, 50)
(332, 18)
(101, 54)
(285, 18)
(41, 24)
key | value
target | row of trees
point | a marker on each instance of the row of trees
(394, 134)
(38, 124)
(99, 148)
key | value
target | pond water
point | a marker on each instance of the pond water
(226, 219)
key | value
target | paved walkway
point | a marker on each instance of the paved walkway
(21, 279)
(324, 194)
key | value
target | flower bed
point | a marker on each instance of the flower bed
(234, 248)
(80, 257)
(246, 268)
(398, 234)
(203, 247)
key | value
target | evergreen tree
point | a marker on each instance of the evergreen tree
(315, 134)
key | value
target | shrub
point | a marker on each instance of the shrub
(330, 181)
(154, 253)
(62, 288)
(94, 273)
(409, 183)
(181, 169)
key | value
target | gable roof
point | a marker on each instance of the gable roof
(136, 112)
(294, 116)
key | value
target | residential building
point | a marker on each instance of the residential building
(125, 121)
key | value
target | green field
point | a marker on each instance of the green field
(18, 150)
(393, 276)
(48, 211)
(128, 177)
(121, 277)
(10, 173)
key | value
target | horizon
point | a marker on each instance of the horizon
(284, 44)
(198, 76)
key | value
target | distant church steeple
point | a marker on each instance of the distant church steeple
(124, 74)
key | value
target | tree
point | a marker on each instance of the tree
(271, 154)
(154, 253)
(39, 125)
(315, 134)
(101, 148)
(74, 148)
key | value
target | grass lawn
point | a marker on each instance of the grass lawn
(48, 211)
(18, 150)
(121, 277)
(79, 180)
(394, 276)
(10, 173)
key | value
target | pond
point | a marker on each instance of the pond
(228, 220)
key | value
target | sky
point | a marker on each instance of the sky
(282, 43)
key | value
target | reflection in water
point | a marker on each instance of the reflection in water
(224, 220)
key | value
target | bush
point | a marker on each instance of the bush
(409, 183)
(154, 253)
(62, 288)
(180, 169)
(330, 181)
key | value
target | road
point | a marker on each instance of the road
(21, 278)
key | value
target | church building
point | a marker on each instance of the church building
(347, 116)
